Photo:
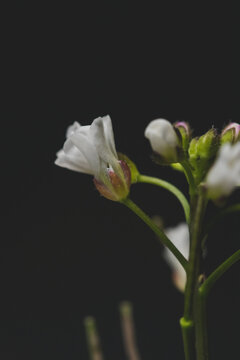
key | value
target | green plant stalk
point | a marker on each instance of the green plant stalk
(160, 234)
(189, 176)
(198, 205)
(201, 326)
(173, 189)
(187, 328)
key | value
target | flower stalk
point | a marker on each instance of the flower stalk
(188, 322)
(173, 189)
(160, 234)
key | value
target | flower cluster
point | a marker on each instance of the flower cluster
(214, 159)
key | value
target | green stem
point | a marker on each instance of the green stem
(189, 176)
(217, 273)
(173, 189)
(188, 338)
(198, 205)
(165, 240)
(201, 327)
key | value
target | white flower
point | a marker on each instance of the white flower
(91, 150)
(224, 175)
(163, 139)
(179, 236)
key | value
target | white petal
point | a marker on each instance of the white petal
(103, 143)
(180, 279)
(66, 162)
(108, 132)
(179, 236)
(76, 157)
(87, 149)
(224, 175)
(72, 129)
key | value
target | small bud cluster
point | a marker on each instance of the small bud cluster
(173, 144)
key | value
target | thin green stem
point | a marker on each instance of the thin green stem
(173, 189)
(198, 206)
(162, 236)
(218, 272)
(189, 176)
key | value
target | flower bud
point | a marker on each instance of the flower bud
(184, 133)
(201, 152)
(208, 144)
(116, 185)
(231, 133)
(163, 140)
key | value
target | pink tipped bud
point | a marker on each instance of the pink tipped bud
(184, 133)
(231, 133)
(184, 125)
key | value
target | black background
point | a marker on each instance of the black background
(66, 252)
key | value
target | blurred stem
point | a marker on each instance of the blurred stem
(162, 236)
(94, 347)
(218, 272)
(173, 189)
(128, 331)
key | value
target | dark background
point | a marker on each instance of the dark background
(66, 252)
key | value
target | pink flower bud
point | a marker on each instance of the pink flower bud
(231, 133)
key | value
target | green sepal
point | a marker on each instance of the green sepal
(228, 136)
(177, 166)
(133, 168)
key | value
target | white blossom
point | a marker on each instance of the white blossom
(91, 150)
(179, 236)
(163, 139)
(224, 176)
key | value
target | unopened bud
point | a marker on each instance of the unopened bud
(231, 134)
(163, 140)
(201, 152)
(184, 133)
(208, 144)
